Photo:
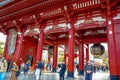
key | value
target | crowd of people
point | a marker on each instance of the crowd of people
(11, 66)
(100, 68)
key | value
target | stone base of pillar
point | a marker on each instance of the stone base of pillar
(70, 74)
(81, 72)
(114, 77)
(54, 70)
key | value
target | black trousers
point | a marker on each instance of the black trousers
(61, 77)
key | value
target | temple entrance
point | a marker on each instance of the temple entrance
(29, 59)
(29, 50)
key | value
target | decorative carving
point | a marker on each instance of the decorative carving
(88, 21)
(56, 30)
(37, 19)
(18, 24)
(31, 31)
(12, 41)
(68, 13)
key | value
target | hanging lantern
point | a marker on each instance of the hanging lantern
(50, 50)
(97, 49)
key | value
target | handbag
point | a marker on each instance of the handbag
(17, 73)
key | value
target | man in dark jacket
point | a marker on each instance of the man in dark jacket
(89, 71)
(62, 70)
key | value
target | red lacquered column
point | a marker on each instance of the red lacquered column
(55, 56)
(40, 46)
(87, 52)
(81, 59)
(71, 52)
(111, 45)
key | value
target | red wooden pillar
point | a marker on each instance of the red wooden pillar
(40, 47)
(87, 52)
(19, 47)
(55, 55)
(81, 59)
(111, 46)
(40, 44)
(71, 52)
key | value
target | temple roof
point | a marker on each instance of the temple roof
(11, 10)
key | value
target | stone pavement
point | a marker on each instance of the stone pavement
(55, 76)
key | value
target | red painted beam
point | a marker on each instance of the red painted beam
(18, 6)
(77, 40)
(85, 40)
(78, 35)
(56, 30)
(51, 37)
(95, 24)
(62, 41)
(95, 40)
(48, 42)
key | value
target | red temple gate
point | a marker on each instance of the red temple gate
(55, 22)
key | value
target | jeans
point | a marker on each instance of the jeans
(88, 77)
(61, 75)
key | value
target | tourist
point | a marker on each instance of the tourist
(14, 69)
(43, 65)
(49, 66)
(62, 70)
(22, 66)
(77, 67)
(26, 68)
(38, 69)
(8, 66)
(3, 67)
(94, 68)
(88, 71)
